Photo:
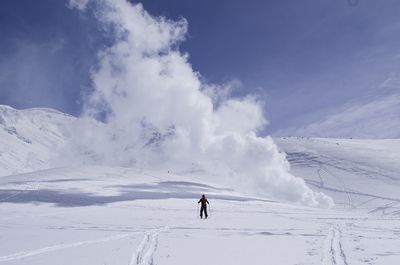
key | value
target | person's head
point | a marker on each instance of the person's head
(203, 196)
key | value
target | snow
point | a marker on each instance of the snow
(91, 214)
(29, 137)
(113, 215)
(71, 225)
(357, 173)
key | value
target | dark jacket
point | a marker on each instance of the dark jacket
(203, 202)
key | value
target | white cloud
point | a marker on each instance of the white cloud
(242, 116)
(159, 116)
(78, 4)
(374, 117)
(219, 93)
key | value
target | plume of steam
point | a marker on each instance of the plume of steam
(157, 113)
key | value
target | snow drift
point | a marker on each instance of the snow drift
(157, 113)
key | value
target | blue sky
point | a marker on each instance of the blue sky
(304, 58)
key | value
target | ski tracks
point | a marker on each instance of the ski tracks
(142, 256)
(333, 253)
(145, 251)
(25, 254)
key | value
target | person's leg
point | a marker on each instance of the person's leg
(205, 212)
(201, 212)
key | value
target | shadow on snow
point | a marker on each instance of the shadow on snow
(157, 191)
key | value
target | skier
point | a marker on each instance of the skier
(204, 203)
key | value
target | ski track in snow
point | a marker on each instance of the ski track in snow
(25, 254)
(333, 253)
(340, 180)
(144, 253)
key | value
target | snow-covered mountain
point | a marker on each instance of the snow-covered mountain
(29, 138)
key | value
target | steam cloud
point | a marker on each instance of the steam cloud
(157, 113)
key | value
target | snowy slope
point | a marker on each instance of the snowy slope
(98, 215)
(28, 138)
(113, 215)
(104, 215)
(356, 173)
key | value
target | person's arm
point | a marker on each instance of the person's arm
(199, 201)
(207, 201)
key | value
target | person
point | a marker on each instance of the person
(203, 208)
